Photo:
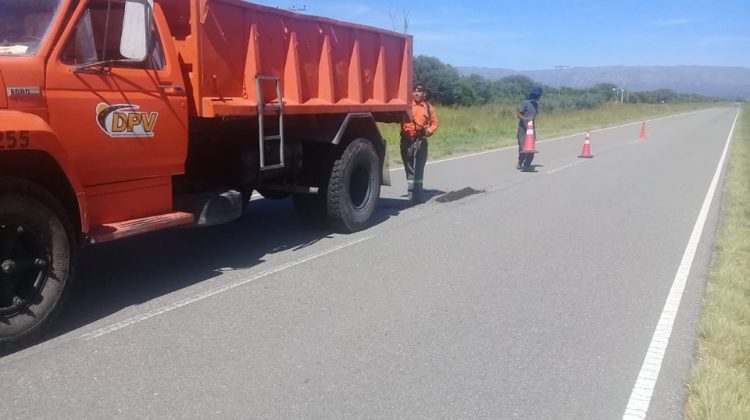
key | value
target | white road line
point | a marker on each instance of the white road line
(559, 138)
(473, 154)
(565, 167)
(640, 398)
(179, 304)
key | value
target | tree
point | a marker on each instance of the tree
(482, 87)
(440, 79)
(465, 93)
(400, 25)
(664, 95)
(511, 89)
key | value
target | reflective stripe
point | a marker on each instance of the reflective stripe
(417, 181)
(410, 181)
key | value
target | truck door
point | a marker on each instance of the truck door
(119, 120)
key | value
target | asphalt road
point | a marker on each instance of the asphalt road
(535, 298)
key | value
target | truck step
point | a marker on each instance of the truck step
(111, 231)
(275, 166)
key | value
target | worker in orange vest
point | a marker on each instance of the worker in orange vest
(414, 133)
(527, 112)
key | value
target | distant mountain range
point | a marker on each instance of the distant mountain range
(723, 82)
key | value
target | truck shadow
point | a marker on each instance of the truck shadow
(132, 271)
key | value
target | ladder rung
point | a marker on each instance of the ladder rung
(276, 166)
(266, 110)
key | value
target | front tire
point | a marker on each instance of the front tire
(354, 187)
(36, 260)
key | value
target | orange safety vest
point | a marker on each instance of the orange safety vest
(423, 117)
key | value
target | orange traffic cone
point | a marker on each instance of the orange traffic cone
(643, 131)
(529, 143)
(586, 152)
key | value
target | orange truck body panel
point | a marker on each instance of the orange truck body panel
(213, 50)
(324, 66)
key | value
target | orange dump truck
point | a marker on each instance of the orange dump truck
(119, 117)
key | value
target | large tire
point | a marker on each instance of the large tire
(37, 255)
(354, 187)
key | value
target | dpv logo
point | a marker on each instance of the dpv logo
(124, 120)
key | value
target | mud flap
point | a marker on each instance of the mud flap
(386, 175)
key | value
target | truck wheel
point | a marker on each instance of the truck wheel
(354, 187)
(36, 260)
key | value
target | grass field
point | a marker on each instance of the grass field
(465, 130)
(719, 386)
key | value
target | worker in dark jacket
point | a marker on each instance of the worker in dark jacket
(527, 112)
(414, 134)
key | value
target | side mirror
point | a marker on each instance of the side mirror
(136, 29)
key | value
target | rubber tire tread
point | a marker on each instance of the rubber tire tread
(341, 212)
(25, 194)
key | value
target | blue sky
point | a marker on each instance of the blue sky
(544, 34)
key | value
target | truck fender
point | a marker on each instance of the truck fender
(31, 133)
(363, 125)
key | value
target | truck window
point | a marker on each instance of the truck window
(24, 24)
(97, 38)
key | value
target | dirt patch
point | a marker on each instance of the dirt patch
(457, 195)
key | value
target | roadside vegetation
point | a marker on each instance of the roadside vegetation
(480, 114)
(719, 386)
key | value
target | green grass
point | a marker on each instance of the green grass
(465, 130)
(719, 385)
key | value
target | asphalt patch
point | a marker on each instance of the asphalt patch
(457, 195)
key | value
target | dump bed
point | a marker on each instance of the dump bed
(323, 65)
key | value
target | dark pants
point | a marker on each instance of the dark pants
(524, 159)
(414, 156)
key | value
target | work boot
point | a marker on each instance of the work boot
(416, 196)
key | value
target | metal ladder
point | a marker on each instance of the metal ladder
(262, 109)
